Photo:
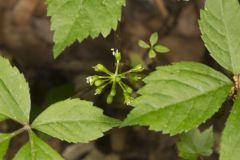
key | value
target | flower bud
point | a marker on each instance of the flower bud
(99, 67)
(128, 99)
(135, 77)
(138, 68)
(98, 83)
(98, 91)
(91, 79)
(113, 92)
(109, 99)
(102, 68)
(117, 54)
(129, 90)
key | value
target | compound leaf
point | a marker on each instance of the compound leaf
(195, 143)
(230, 143)
(14, 93)
(36, 149)
(179, 97)
(4, 142)
(74, 120)
(220, 22)
(78, 19)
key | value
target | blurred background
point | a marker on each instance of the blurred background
(26, 39)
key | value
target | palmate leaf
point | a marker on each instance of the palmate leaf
(36, 149)
(220, 22)
(195, 143)
(4, 142)
(14, 93)
(230, 142)
(77, 19)
(74, 120)
(179, 97)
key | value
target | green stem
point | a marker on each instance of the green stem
(17, 132)
(105, 84)
(31, 143)
(107, 72)
(122, 86)
(102, 77)
(117, 69)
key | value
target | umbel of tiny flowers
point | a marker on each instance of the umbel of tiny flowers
(153, 46)
(114, 79)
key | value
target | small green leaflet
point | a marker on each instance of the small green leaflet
(194, 144)
(230, 142)
(4, 142)
(152, 53)
(36, 149)
(78, 19)
(14, 93)
(220, 23)
(143, 44)
(153, 39)
(74, 120)
(161, 49)
(179, 97)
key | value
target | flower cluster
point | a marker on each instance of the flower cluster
(114, 79)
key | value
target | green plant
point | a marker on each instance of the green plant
(195, 143)
(179, 97)
(71, 120)
(116, 78)
(176, 98)
(153, 46)
(73, 20)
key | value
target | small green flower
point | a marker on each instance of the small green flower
(153, 46)
(114, 79)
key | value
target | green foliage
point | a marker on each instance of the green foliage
(230, 147)
(74, 120)
(4, 142)
(143, 44)
(194, 144)
(220, 22)
(2, 118)
(153, 39)
(179, 97)
(74, 20)
(161, 49)
(36, 149)
(175, 99)
(153, 46)
(116, 78)
(14, 93)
